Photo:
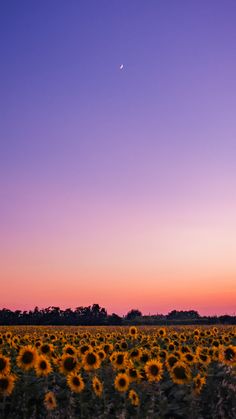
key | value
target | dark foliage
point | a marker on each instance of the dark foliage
(96, 315)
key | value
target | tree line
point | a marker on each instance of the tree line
(96, 315)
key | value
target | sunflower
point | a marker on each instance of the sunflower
(91, 360)
(102, 354)
(119, 360)
(135, 354)
(108, 347)
(133, 332)
(83, 349)
(7, 383)
(144, 356)
(134, 398)
(171, 347)
(42, 366)
(5, 365)
(153, 370)
(69, 349)
(215, 354)
(75, 382)
(121, 382)
(180, 373)
(97, 386)
(46, 348)
(228, 354)
(216, 343)
(184, 349)
(163, 354)
(198, 382)
(67, 364)
(50, 401)
(133, 374)
(203, 357)
(27, 357)
(162, 332)
(189, 358)
(171, 360)
(124, 345)
(226, 339)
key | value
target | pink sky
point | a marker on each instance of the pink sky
(118, 187)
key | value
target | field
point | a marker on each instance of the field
(115, 372)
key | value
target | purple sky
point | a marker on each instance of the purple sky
(88, 152)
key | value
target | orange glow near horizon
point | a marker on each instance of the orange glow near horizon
(134, 263)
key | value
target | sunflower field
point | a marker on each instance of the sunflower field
(117, 372)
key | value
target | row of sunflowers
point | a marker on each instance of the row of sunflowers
(115, 372)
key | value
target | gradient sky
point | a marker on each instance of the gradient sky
(118, 187)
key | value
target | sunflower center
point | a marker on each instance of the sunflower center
(180, 372)
(76, 381)
(122, 382)
(27, 357)
(154, 370)
(172, 361)
(91, 359)
(119, 359)
(45, 349)
(43, 365)
(2, 364)
(4, 383)
(133, 373)
(69, 364)
(84, 349)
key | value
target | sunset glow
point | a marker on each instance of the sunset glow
(118, 187)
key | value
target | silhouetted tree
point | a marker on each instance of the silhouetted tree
(96, 315)
(132, 314)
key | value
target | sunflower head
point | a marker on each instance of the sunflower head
(5, 365)
(189, 358)
(153, 370)
(50, 401)
(135, 354)
(121, 382)
(171, 360)
(162, 332)
(83, 349)
(75, 382)
(102, 354)
(144, 357)
(7, 383)
(134, 398)
(27, 357)
(67, 364)
(91, 360)
(70, 350)
(97, 386)
(119, 360)
(42, 366)
(133, 374)
(198, 382)
(228, 354)
(180, 373)
(133, 332)
(124, 345)
(46, 348)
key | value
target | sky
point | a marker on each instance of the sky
(118, 187)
